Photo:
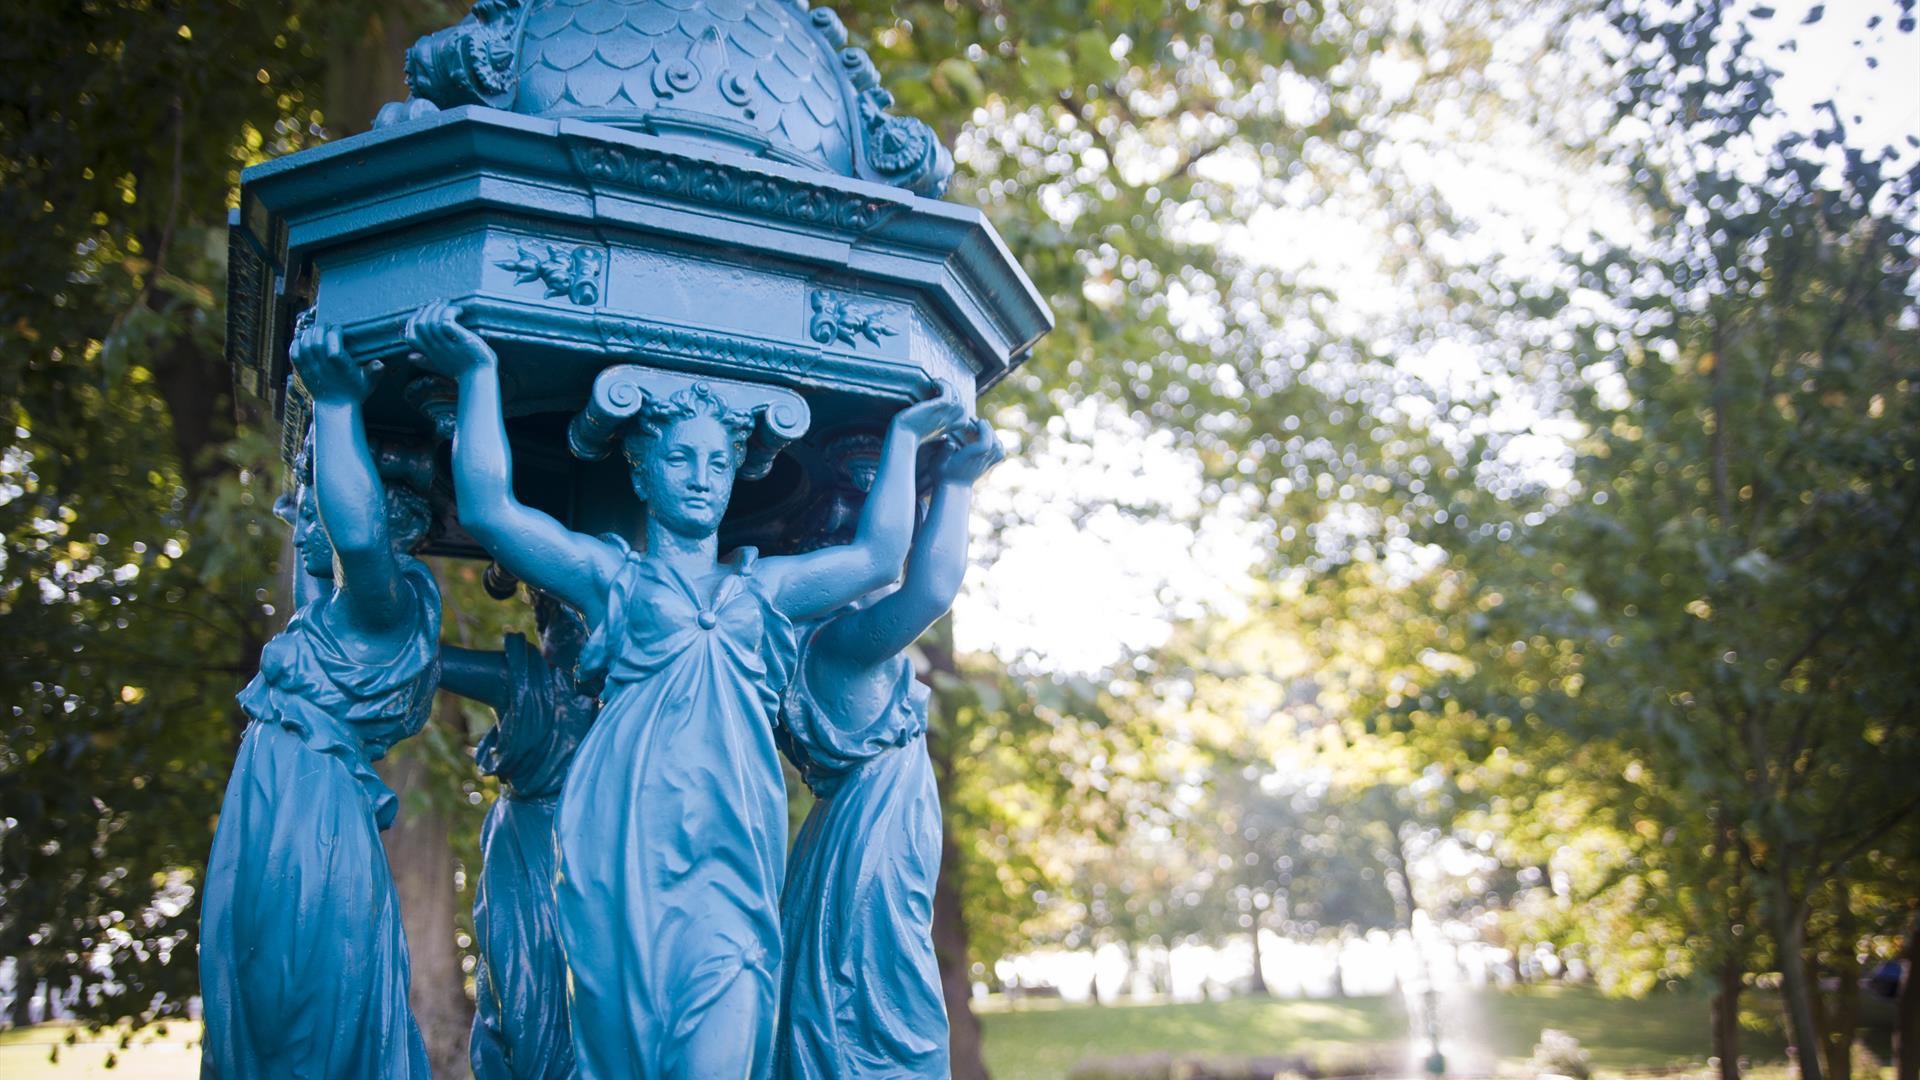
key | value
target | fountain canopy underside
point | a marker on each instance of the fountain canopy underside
(708, 187)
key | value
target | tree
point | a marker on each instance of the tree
(1724, 598)
(135, 517)
(135, 509)
(1111, 143)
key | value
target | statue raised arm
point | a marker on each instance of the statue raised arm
(859, 890)
(303, 961)
(672, 822)
(529, 544)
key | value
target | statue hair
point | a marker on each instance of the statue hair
(698, 400)
(410, 518)
(411, 521)
(299, 480)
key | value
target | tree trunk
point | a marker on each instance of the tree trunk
(1906, 1022)
(1789, 935)
(25, 981)
(1842, 1018)
(950, 946)
(1259, 977)
(420, 851)
(1818, 1001)
(1726, 1019)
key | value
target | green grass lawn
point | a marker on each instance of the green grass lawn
(1486, 1031)
(1042, 1042)
(1662, 1029)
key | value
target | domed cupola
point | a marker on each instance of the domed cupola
(771, 78)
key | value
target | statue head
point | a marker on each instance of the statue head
(684, 452)
(300, 508)
(410, 518)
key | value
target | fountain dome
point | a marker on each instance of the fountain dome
(772, 78)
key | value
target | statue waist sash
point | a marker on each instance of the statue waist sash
(323, 733)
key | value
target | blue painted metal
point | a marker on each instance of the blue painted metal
(690, 231)
(521, 1025)
(764, 77)
(572, 245)
(860, 987)
(303, 965)
(673, 820)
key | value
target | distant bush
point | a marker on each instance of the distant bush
(1559, 1054)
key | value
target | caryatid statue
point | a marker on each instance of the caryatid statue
(859, 888)
(672, 252)
(672, 824)
(303, 963)
(521, 1026)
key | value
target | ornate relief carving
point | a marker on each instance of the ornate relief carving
(573, 274)
(900, 149)
(636, 336)
(833, 321)
(897, 150)
(247, 292)
(762, 72)
(730, 188)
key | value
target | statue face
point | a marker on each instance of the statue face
(687, 476)
(310, 537)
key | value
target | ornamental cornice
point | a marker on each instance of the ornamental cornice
(725, 186)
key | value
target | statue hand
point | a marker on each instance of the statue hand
(327, 370)
(972, 450)
(926, 419)
(442, 345)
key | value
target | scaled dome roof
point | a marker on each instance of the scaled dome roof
(767, 77)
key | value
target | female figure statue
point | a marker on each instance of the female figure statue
(673, 819)
(520, 1025)
(860, 989)
(303, 962)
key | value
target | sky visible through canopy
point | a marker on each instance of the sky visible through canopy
(1110, 544)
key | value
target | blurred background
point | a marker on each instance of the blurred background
(1452, 608)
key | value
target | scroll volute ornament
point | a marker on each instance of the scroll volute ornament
(898, 150)
(620, 393)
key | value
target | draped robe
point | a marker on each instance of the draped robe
(303, 961)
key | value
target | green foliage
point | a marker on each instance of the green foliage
(1679, 680)
(134, 596)
(1648, 689)
(1036, 777)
